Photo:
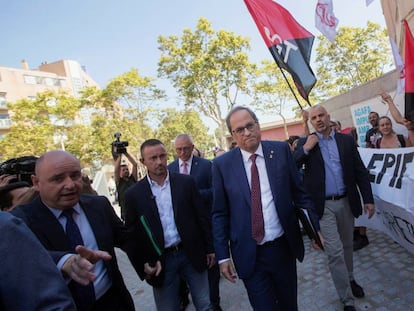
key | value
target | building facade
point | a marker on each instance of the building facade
(20, 83)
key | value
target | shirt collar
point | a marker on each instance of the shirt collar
(246, 155)
(331, 134)
(189, 161)
(58, 212)
(154, 183)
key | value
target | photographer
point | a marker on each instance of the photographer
(123, 178)
(10, 192)
(15, 180)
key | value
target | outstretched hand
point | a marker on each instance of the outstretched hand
(79, 267)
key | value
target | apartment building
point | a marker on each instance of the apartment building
(19, 83)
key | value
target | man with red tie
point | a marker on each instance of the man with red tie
(256, 190)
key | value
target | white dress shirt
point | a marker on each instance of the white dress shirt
(102, 282)
(163, 199)
(181, 165)
(272, 226)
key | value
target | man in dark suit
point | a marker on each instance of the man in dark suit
(200, 170)
(62, 219)
(29, 279)
(256, 190)
(335, 176)
(166, 212)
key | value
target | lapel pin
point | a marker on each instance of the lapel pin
(271, 154)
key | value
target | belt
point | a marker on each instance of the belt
(335, 197)
(273, 242)
(173, 249)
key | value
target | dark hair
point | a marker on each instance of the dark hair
(373, 112)
(238, 108)
(410, 115)
(6, 199)
(198, 152)
(292, 139)
(149, 143)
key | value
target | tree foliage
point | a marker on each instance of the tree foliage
(84, 126)
(39, 125)
(175, 122)
(208, 68)
(358, 56)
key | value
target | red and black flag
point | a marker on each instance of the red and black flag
(289, 43)
(409, 72)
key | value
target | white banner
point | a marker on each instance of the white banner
(391, 173)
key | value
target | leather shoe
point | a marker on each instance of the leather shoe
(360, 242)
(357, 290)
(349, 308)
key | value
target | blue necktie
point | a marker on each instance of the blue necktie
(84, 295)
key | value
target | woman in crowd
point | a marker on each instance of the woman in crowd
(389, 138)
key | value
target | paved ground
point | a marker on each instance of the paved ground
(383, 268)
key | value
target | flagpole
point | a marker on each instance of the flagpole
(290, 87)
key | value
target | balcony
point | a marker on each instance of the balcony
(5, 123)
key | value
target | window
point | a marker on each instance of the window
(29, 79)
(49, 81)
(3, 100)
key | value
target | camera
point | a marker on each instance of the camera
(118, 146)
(22, 167)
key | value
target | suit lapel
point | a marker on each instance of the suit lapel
(94, 216)
(48, 227)
(194, 166)
(272, 163)
(150, 210)
(239, 171)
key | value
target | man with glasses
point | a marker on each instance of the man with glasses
(200, 170)
(256, 189)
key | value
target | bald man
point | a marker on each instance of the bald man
(335, 176)
(67, 222)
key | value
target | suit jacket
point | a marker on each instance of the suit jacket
(231, 204)
(107, 227)
(190, 215)
(354, 173)
(201, 172)
(29, 279)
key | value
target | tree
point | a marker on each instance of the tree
(39, 125)
(125, 106)
(358, 56)
(271, 92)
(209, 69)
(173, 123)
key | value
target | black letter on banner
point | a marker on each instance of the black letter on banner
(371, 166)
(395, 174)
(408, 157)
(388, 162)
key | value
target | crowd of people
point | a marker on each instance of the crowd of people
(187, 222)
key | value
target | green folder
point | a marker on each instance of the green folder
(147, 228)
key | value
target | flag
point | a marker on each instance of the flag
(409, 72)
(289, 43)
(399, 64)
(368, 2)
(325, 20)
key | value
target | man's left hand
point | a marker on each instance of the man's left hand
(211, 260)
(370, 209)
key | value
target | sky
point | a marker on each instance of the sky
(111, 37)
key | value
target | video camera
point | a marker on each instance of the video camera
(22, 167)
(118, 146)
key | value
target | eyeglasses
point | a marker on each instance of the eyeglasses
(183, 149)
(240, 130)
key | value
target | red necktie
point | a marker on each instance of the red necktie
(256, 203)
(185, 169)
